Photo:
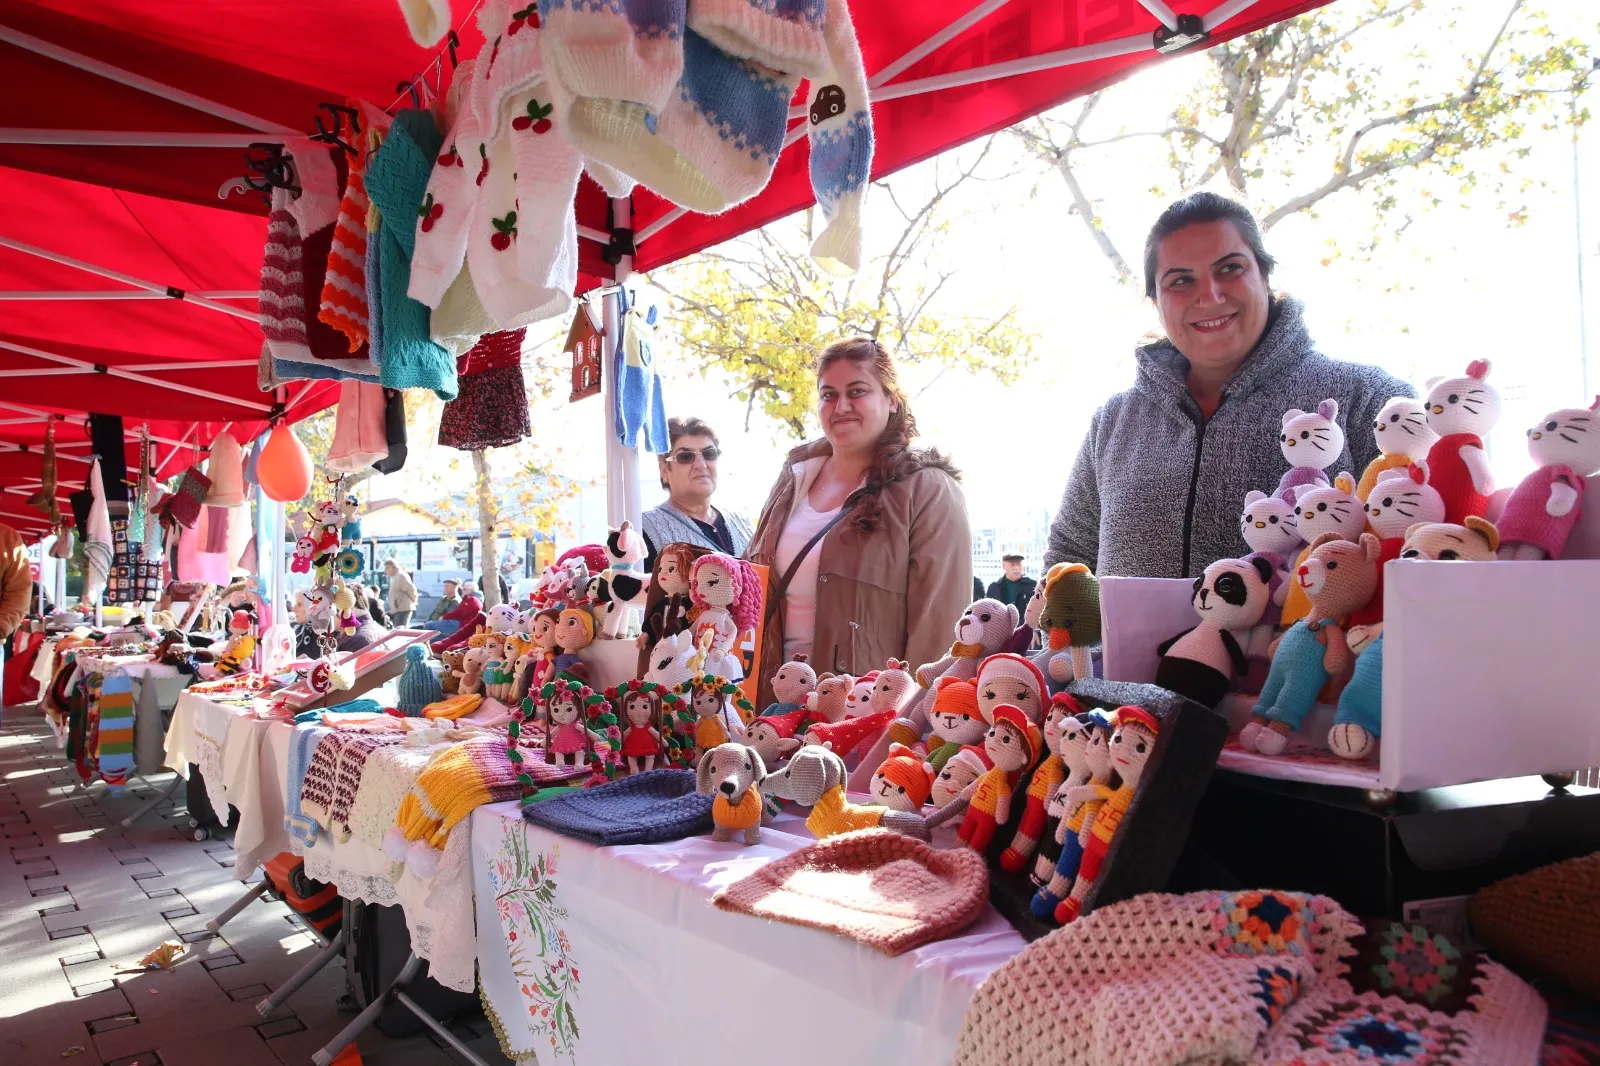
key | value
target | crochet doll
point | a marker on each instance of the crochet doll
(1203, 662)
(719, 708)
(454, 669)
(472, 665)
(773, 736)
(980, 632)
(726, 593)
(956, 721)
(858, 703)
(733, 773)
(1271, 533)
(622, 587)
(304, 549)
(641, 741)
(671, 613)
(1075, 739)
(1462, 411)
(561, 708)
(1042, 784)
(1311, 442)
(792, 684)
(574, 631)
(1021, 641)
(499, 680)
(1011, 680)
(959, 772)
(1012, 745)
(1358, 723)
(1321, 510)
(1070, 620)
(1338, 577)
(1403, 437)
(1399, 500)
(902, 782)
(1131, 745)
(237, 654)
(1546, 505)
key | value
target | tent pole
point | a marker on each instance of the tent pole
(142, 379)
(937, 41)
(106, 272)
(659, 224)
(127, 294)
(1225, 12)
(29, 43)
(134, 138)
(622, 463)
(1160, 10)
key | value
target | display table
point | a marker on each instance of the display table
(156, 687)
(616, 955)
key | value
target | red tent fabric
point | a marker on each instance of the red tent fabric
(943, 72)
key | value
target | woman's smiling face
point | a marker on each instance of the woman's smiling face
(1211, 294)
(852, 406)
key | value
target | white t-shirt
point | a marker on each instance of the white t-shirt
(800, 600)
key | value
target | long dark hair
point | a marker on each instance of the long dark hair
(1197, 208)
(893, 456)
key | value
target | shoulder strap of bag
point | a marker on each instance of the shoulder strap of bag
(776, 593)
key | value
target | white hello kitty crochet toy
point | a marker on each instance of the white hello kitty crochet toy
(1311, 441)
(1546, 505)
(1269, 529)
(502, 618)
(1400, 499)
(1333, 509)
(1403, 437)
(1462, 411)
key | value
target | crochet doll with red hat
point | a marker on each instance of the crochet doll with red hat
(792, 684)
(1041, 790)
(1088, 756)
(773, 736)
(1131, 745)
(1007, 679)
(956, 721)
(1012, 744)
(980, 632)
(1462, 411)
(903, 781)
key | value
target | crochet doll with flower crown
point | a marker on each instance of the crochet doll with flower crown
(726, 593)
(561, 708)
(642, 739)
(1546, 505)
(720, 710)
(1131, 746)
(1086, 752)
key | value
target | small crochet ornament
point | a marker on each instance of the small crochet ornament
(1338, 577)
(903, 781)
(732, 774)
(1546, 505)
(794, 681)
(1131, 745)
(982, 630)
(1013, 745)
(1311, 442)
(1462, 411)
(1404, 437)
(1071, 622)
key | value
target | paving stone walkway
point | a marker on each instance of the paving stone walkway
(82, 899)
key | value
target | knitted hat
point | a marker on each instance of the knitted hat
(1007, 666)
(877, 886)
(848, 734)
(226, 470)
(785, 724)
(649, 808)
(419, 686)
(905, 768)
(1030, 732)
(956, 696)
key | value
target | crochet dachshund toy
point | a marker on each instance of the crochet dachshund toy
(733, 773)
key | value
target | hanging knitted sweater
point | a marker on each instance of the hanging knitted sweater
(396, 180)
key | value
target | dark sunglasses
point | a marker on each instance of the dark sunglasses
(686, 456)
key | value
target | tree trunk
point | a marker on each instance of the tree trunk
(488, 541)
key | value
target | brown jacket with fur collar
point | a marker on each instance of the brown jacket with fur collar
(892, 577)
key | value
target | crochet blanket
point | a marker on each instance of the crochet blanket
(1262, 977)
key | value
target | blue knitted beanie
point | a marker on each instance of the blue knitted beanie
(418, 685)
(649, 808)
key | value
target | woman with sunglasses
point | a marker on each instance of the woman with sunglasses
(865, 537)
(689, 474)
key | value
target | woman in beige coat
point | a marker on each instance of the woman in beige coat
(864, 537)
(402, 597)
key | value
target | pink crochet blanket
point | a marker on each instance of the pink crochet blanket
(1263, 977)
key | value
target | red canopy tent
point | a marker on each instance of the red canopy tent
(120, 121)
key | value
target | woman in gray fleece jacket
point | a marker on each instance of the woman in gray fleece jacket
(1160, 481)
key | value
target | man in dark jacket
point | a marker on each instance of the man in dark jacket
(1015, 588)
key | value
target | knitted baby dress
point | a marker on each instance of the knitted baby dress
(491, 410)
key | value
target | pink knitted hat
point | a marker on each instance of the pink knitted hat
(912, 894)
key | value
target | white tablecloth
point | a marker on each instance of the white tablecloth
(622, 958)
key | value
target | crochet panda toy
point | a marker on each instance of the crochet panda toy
(1202, 662)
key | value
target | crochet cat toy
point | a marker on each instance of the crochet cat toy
(1331, 509)
(958, 774)
(733, 774)
(815, 778)
(1270, 532)
(1546, 505)
(773, 736)
(1071, 622)
(982, 630)
(1082, 745)
(1012, 744)
(673, 660)
(622, 588)
(671, 612)
(501, 619)
(1399, 500)
(643, 740)
(1462, 411)
(1130, 748)
(792, 684)
(1358, 722)
(727, 594)
(1042, 785)
(1202, 663)
(1311, 442)
(1404, 437)
(1338, 577)
(902, 782)
(561, 709)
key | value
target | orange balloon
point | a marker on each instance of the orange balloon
(284, 470)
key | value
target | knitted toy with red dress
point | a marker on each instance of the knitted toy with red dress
(1013, 745)
(1037, 823)
(1403, 437)
(1131, 745)
(1462, 411)
(1311, 442)
(1546, 505)
(1071, 622)
(644, 739)
(792, 684)
(726, 593)
(980, 632)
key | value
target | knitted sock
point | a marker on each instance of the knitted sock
(628, 50)
(781, 34)
(841, 146)
(116, 730)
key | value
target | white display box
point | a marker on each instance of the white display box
(1491, 670)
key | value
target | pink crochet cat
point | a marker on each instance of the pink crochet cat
(1546, 505)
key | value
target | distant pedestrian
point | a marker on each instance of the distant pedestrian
(402, 597)
(1015, 588)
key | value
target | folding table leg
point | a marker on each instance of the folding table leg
(302, 975)
(231, 912)
(444, 1034)
(359, 1024)
(153, 804)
